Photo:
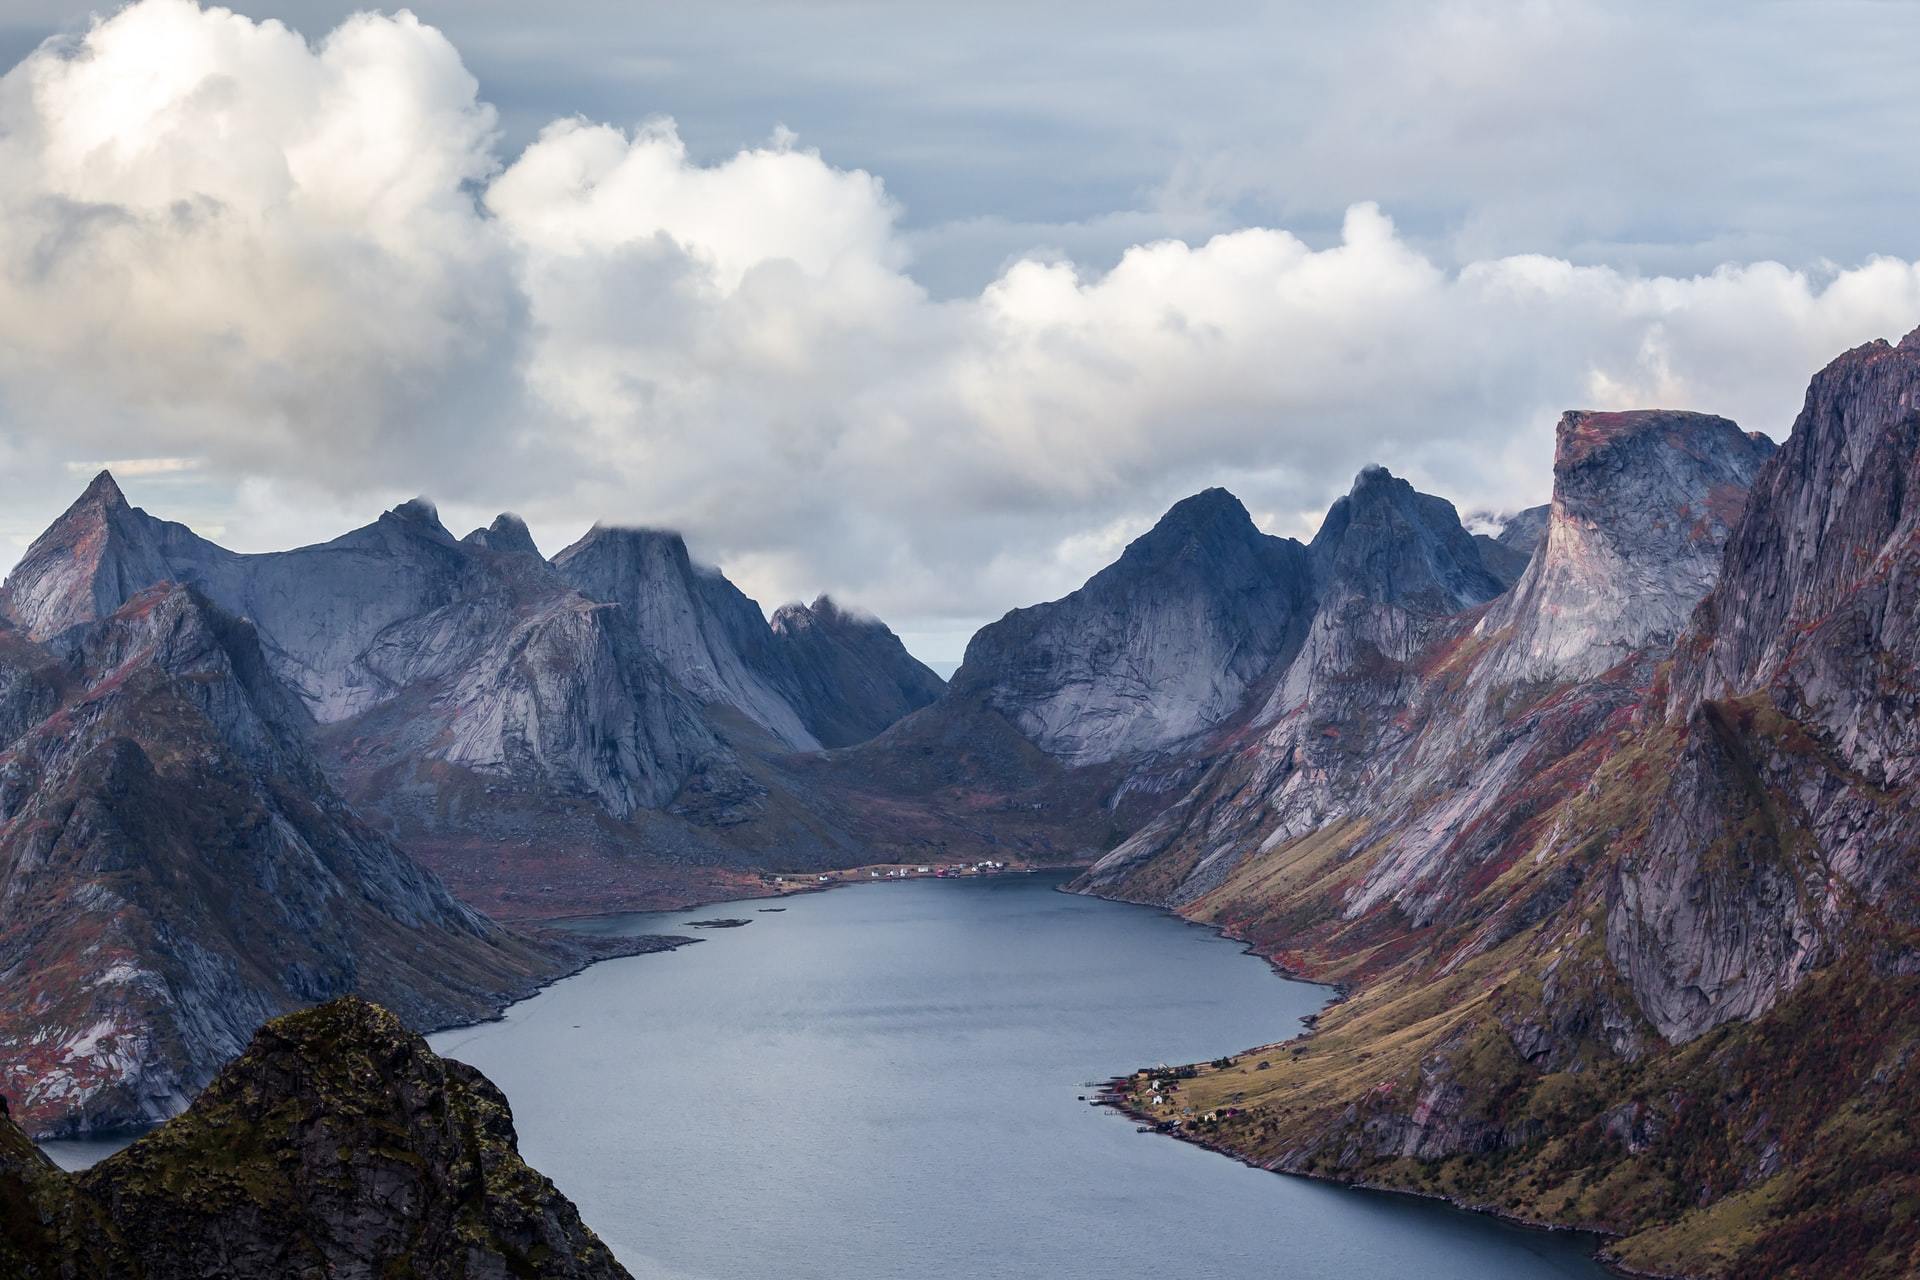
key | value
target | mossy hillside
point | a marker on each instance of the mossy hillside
(337, 1144)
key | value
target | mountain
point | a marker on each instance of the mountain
(850, 673)
(1393, 572)
(599, 732)
(1160, 646)
(337, 1144)
(701, 627)
(1645, 959)
(1643, 503)
(92, 560)
(1074, 725)
(175, 868)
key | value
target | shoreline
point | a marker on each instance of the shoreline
(1112, 1096)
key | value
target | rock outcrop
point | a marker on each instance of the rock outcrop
(337, 1144)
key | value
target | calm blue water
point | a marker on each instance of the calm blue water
(880, 1082)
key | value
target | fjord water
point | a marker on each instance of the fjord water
(882, 1082)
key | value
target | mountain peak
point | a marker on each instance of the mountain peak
(1214, 506)
(1646, 497)
(507, 534)
(1202, 524)
(102, 491)
(1372, 476)
(1388, 542)
(420, 511)
(87, 563)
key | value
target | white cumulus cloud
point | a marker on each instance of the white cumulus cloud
(312, 268)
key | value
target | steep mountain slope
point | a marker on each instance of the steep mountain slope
(1642, 506)
(1160, 646)
(1670, 990)
(599, 733)
(338, 1144)
(710, 636)
(174, 869)
(1416, 720)
(851, 675)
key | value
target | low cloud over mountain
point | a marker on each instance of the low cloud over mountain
(225, 244)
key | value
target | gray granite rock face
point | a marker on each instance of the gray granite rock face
(698, 625)
(850, 675)
(1791, 815)
(1643, 503)
(175, 868)
(594, 676)
(1160, 646)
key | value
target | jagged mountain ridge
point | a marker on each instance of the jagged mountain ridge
(337, 1144)
(465, 691)
(175, 868)
(1663, 981)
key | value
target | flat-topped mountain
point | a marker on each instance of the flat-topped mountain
(1643, 503)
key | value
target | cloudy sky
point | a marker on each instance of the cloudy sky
(930, 306)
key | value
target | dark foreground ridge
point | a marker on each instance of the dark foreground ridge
(337, 1145)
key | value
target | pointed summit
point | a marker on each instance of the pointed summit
(1389, 543)
(507, 534)
(1159, 646)
(88, 563)
(102, 491)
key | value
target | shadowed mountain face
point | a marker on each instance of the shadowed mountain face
(175, 868)
(850, 673)
(338, 1144)
(1158, 647)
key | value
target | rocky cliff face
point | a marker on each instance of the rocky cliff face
(175, 868)
(338, 1144)
(1644, 956)
(1162, 645)
(711, 637)
(544, 734)
(1788, 817)
(1643, 503)
(851, 675)
(92, 559)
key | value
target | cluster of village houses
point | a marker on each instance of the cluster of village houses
(1158, 1085)
(986, 866)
